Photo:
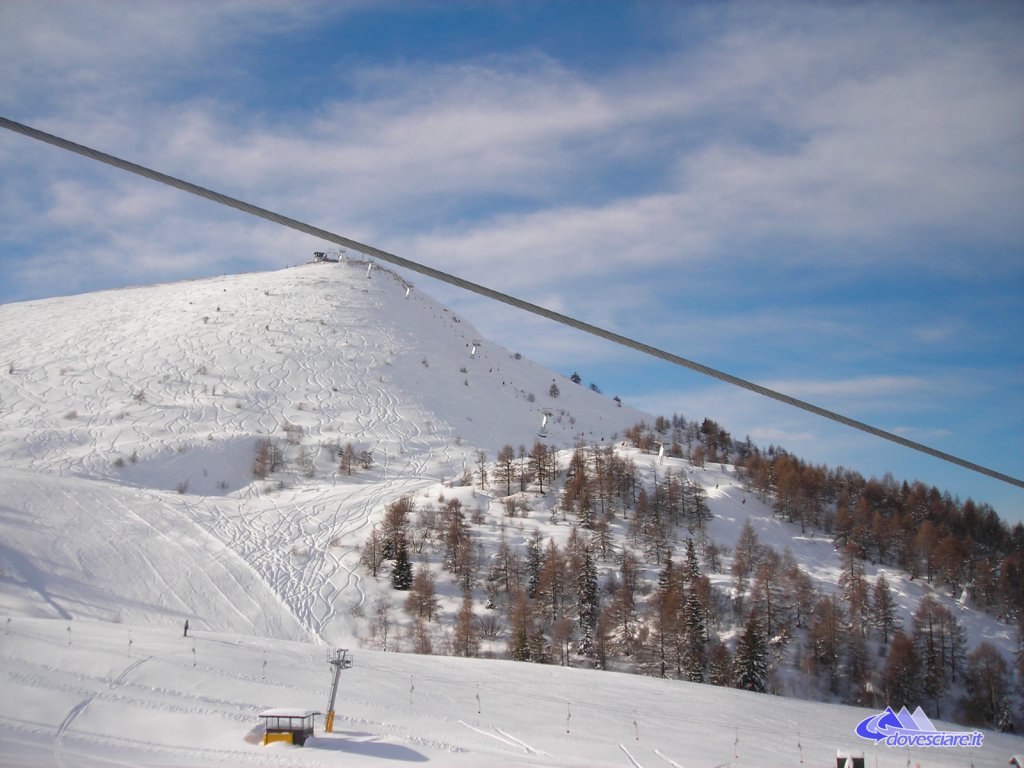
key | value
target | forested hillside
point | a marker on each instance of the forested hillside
(646, 556)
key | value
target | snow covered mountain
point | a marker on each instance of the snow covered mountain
(130, 424)
(132, 417)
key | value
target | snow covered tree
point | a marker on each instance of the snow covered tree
(720, 665)
(307, 465)
(422, 601)
(691, 566)
(857, 667)
(746, 556)
(950, 558)
(767, 595)
(900, 677)
(395, 526)
(799, 589)
(825, 639)
(466, 640)
(587, 606)
(539, 464)
(694, 637)
(552, 584)
(621, 623)
(380, 623)
(347, 460)
(883, 609)
(455, 537)
(421, 642)
(261, 466)
(940, 643)
(750, 664)
(853, 586)
(505, 467)
(986, 686)
(481, 468)
(664, 610)
(401, 571)
(521, 627)
(372, 552)
(534, 560)
(851, 569)
(698, 510)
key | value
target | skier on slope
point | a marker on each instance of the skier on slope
(186, 628)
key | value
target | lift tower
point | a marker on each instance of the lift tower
(338, 660)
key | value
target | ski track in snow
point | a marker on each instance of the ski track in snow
(503, 738)
(77, 710)
(297, 541)
(630, 756)
(667, 759)
(146, 390)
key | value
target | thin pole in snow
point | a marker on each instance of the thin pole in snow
(568, 715)
(478, 698)
(412, 688)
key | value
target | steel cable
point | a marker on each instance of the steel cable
(490, 293)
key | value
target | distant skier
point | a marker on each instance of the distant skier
(186, 627)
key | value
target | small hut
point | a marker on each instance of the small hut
(292, 726)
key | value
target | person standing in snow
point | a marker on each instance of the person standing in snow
(186, 627)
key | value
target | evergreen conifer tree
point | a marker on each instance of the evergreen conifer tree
(751, 661)
(719, 665)
(883, 609)
(534, 560)
(694, 638)
(401, 571)
(587, 602)
(691, 568)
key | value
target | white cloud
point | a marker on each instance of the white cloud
(840, 146)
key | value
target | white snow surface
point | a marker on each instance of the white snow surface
(128, 424)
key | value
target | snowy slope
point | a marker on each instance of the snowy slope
(130, 418)
(129, 422)
(107, 694)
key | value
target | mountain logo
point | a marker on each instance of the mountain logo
(913, 730)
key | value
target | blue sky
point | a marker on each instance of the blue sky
(827, 199)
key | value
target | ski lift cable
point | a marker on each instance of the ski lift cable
(490, 293)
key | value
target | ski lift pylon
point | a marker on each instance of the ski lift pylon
(544, 423)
